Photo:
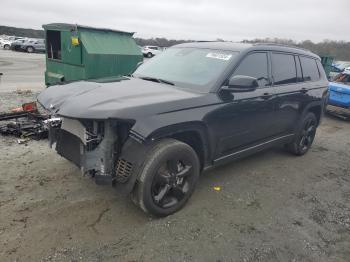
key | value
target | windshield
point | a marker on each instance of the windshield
(187, 67)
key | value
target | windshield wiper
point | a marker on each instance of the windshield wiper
(158, 80)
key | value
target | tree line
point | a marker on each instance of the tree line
(340, 50)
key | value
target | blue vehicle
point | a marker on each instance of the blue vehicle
(339, 91)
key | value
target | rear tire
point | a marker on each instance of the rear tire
(305, 135)
(7, 47)
(149, 55)
(167, 178)
(30, 49)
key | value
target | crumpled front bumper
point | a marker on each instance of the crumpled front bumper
(90, 144)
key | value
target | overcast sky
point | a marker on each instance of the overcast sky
(192, 19)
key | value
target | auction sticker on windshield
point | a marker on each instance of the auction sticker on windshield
(220, 56)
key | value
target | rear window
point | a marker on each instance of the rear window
(309, 68)
(283, 69)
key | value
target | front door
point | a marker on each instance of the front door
(246, 119)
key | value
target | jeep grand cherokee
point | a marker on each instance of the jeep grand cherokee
(193, 107)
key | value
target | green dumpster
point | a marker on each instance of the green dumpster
(75, 52)
(326, 62)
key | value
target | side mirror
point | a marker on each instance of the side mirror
(241, 83)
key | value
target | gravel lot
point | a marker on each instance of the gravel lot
(271, 207)
(21, 71)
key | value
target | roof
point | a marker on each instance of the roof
(229, 46)
(238, 47)
(64, 26)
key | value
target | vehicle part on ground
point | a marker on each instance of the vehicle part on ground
(191, 108)
(25, 123)
(26, 126)
(7, 47)
(94, 53)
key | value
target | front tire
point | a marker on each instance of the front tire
(305, 135)
(149, 55)
(7, 47)
(168, 178)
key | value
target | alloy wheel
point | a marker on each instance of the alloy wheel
(307, 134)
(171, 183)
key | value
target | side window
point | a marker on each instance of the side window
(255, 65)
(283, 69)
(309, 68)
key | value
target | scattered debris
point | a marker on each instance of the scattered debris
(23, 92)
(217, 188)
(22, 140)
(24, 122)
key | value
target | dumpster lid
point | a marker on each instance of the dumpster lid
(64, 26)
(108, 43)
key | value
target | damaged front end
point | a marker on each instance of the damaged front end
(93, 145)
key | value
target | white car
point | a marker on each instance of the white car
(151, 50)
(6, 44)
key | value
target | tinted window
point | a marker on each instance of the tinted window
(310, 70)
(283, 69)
(255, 65)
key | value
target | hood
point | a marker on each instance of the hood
(339, 87)
(128, 98)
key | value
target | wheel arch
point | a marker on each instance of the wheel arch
(193, 133)
(134, 150)
(315, 108)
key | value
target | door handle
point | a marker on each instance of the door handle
(266, 95)
(303, 90)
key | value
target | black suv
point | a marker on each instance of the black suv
(193, 107)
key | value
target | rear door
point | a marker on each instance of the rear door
(293, 94)
(288, 85)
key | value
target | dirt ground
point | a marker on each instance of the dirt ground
(271, 207)
(21, 71)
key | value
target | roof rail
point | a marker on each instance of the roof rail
(283, 45)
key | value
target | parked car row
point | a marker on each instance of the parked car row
(25, 44)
